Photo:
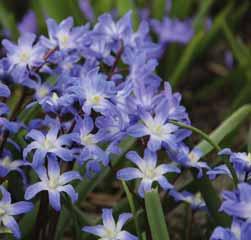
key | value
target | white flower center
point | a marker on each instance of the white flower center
(53, 183)
(87, 139)
(192, 156)
(6, 161)
(42, 91)
(149, 173)
(2, 212)
(54, 97)
(155, 129)
(48, 144)
(64, 39)
(96, 100)
(24, 56)
(249, 157)
(110, 234)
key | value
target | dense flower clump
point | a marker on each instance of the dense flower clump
(95, 87)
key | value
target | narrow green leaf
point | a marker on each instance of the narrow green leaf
(181, 12)
(226, 128)
(214, 31)
(155, 216)
(186, 58)
(199, 20)
(240, 51)
(61, 9)
(212, 201)
(132, 207)
(158, 8)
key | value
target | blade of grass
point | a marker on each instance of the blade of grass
(199, 20)
(155, 216)
(132, 207)
(186, 59)
(158, 8)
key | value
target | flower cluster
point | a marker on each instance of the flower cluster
(93, 88)
(236, 203)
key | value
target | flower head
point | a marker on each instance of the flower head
(54, 183)
(147, 171)
(48, 144)
(8, 210)
(111, 230)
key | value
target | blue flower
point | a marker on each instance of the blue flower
(156, 127)
(54, 183)
(89, 141)
(28, 23)
(147, 171)
(4, 90)
(188, 158)
(63, 35)
(114, 31)
(8, 210)
(240, 160)
(195, 200)
(48, 144)
(7, 165)
(173, 30)
(238, 202)
(95, 91)
(110, 230)
(23, 55)
(240, 230)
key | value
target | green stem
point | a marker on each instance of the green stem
(209, 140)
(132, 207)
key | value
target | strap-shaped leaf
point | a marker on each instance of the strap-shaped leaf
(155, 216)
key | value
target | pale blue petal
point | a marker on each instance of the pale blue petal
(20, 207)
(11, 223)
(69, 176)
(33, 190)
(70, 192)
(129, 174)
(96, 230)
(54, 199)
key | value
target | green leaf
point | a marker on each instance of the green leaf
(132, 207)
(155, 216)
(226, 128)
(199, 20)
(181, 12)
(158, 8)
(186, 58)
(212, 200)
(61, 9)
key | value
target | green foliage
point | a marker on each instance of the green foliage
(155, 216)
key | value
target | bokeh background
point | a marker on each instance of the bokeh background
(205, 54)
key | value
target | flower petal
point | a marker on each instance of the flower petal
(20, 207)
(129, 174)
(54, 199)
(33, 190)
